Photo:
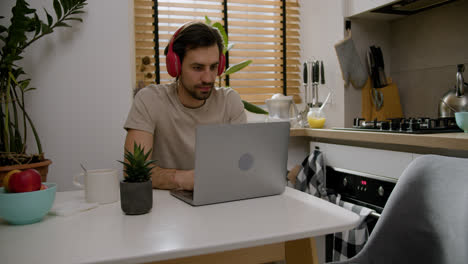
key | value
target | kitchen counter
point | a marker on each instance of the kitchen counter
(454, 144)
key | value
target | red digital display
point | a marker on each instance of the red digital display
(364, 182)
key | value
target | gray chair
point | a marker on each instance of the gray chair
(426, 217)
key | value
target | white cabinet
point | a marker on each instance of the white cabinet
(355, 7)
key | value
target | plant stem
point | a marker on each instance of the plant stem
(7, 121)
(24, 123)
(36, 136)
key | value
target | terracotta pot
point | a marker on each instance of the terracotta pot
(42, 167)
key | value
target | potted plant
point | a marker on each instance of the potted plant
(136, 190)
(25, 28)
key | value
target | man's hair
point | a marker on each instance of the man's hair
(195, 35)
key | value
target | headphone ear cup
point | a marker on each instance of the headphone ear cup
(222, 63)
(173, 64)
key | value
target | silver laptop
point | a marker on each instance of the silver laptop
(235, 162)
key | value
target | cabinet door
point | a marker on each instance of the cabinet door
(372, 161)
(354, 7)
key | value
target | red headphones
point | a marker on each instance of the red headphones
(173, 64)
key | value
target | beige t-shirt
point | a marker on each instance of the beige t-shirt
(157, 109)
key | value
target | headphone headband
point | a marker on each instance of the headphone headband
(173, 63)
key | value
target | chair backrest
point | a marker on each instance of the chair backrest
(426, 217)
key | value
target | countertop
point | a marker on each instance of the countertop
(446, 141)
(173, 229)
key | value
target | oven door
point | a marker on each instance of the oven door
(359, 188)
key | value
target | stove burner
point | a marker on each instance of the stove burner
(421, 125)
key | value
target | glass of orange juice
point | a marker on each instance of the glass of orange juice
(316, 118)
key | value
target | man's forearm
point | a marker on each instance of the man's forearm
(164, 178)
(172, 179)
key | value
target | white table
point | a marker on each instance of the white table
(173, 229)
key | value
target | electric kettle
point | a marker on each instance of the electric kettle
(455, 100)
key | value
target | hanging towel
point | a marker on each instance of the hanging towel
(348, 243)
(311, 177)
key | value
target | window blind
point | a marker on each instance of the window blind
(256, 28)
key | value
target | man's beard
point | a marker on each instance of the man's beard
(195, 93)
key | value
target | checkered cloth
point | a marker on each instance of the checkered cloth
(311, 177)
(348, 243)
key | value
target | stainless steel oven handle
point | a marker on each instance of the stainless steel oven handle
(374, 215)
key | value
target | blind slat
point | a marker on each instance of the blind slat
(255, 29)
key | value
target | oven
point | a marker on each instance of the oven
(359, 188)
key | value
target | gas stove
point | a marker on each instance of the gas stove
(422, 125)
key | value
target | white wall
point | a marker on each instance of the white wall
(84, 79)
(321, 28)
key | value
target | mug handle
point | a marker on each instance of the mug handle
(75, 180)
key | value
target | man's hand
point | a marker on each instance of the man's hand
(184, 179)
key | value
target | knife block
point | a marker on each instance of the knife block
(391, 107)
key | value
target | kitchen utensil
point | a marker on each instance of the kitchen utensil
(101, 186)
(315, 82)
(322, 73)
(373, 63)
(455, 100)
(376, 67)
(304, 76)
(381, 67)
(282, 108)
(310, 87)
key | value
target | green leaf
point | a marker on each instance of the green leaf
(207, 20)
(30, 89)
(46, 29)
(65, 5)
(77, 12)
(74, 18)
(58, 9)
(37, 24)
(253, 108)
(62, 24)
(237, 67)
(24, 84)
(223, 33)
(50, 20)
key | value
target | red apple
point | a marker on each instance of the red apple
(25, 181)
(6, 179)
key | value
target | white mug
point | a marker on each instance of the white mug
(101, 186)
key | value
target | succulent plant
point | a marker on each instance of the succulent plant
(137, 167)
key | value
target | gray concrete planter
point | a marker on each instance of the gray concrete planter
(136, 197)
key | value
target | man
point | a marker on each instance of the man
(165, 117)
